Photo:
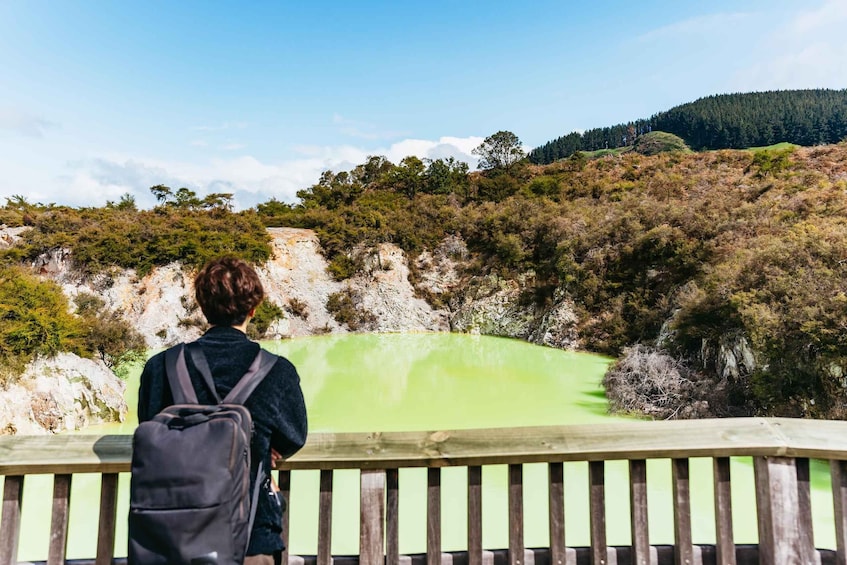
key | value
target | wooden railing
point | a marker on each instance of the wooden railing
(781, 450)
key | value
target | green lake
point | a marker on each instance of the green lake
(402, 382)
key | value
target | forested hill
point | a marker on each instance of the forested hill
(725, 121)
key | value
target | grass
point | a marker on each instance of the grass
(775, 146)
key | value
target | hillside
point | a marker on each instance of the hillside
(725, 121)
(732, 263)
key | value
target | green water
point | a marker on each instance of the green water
(369, 383)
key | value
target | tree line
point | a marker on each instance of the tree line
(725, 121)
(696, 247)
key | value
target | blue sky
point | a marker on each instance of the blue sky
(107, 97)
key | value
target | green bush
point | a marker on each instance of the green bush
(35, 319)
(266, 314)
(101, 238)
(108, 335)
(346, 308)
(655, 142)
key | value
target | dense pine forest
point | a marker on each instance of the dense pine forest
(726, 121)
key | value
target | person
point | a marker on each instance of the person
(228, 292)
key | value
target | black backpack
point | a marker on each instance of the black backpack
(191, 468)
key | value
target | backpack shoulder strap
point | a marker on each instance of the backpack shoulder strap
(178, 378)
(261, 366)
(199, 360)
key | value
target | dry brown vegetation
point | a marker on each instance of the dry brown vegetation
(722, 243)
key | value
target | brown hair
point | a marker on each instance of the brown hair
(227, 290)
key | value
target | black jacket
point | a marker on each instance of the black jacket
(277, 408)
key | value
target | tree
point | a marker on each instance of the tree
(499, 151)
(407, 177)
(161, 192)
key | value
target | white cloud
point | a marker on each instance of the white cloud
(93, 181)
(23, 123)
(809, 51)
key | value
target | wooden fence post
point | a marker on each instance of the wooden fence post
(372, 517)
(10, 526)
(777, 500)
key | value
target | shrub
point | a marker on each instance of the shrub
(655, 142)
(266, 314)
(35, 319)
(346, 307)
(101, 238)
(108, 335)
(648, 381)
(298, 308)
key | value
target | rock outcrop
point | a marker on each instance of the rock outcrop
(160, 305)
(59, 394)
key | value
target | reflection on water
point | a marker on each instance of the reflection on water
(398, 382)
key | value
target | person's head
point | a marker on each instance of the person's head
(228, 290)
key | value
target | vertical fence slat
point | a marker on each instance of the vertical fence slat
(724, 540)
(59, 520)
(10, 522)
(804, 510)
(838, 474)
(108, 518)
(777, 502)
(284, 482)
(433, 516)
(475, 515)
(638, 512)
(597, 509)
(683, 546)
(392, 520)
(516, 547)
(372, 517)
(324, 556)
(556, 495)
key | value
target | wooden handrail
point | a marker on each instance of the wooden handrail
(775, 437)
(780, 447)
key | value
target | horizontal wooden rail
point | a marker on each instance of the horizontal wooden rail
(775, 437)
(781, 449)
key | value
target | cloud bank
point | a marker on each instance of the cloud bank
(95, 180)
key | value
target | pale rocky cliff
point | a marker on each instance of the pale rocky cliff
(161, 306)
(60, 394)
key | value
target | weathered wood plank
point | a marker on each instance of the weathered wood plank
(372, 517)
(683, 546)
(838, 473)
(392, 519)
(475, 515)
(782, 437)
(108, 518)
(59, 521)
(638, 512)
(284, 482)
(433, 516)
(597, 510)
(724, 542)
(10, 521)
(516, 543)
(556, 501)
(324, 556)
(777, 503)
(634, 440)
